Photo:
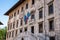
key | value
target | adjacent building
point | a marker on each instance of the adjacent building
(1, 23)
(34, 20)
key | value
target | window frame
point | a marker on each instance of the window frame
(17, 24)
(13, 24)
(12, 33)
(51, 28)
(25, 29)
(21, 22)
(52, 38)
(33, 2)
(27, 6)
(22, 38)
(40, 24)
(49, 10)
(32, 15)
(21, 30)
(22, 9)
(14, 14)
(32, 29)
(40, 12)
(16, 32)
(18, 12)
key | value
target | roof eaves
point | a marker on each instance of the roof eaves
(14, 6)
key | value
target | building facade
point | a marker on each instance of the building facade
(34, 20)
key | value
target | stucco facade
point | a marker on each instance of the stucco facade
(34, 9)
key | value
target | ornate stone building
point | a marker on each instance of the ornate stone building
(34, 20)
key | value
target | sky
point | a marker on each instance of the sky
(5, 5)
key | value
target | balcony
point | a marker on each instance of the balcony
(32, 9)
(32, 21)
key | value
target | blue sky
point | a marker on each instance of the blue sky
(5, 5)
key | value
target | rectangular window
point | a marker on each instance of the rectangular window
(9, 34)
(17, 24)
(14, 14)
(25, 29)
(33, 1)
(32, 16)
(32, 29)
(27, 6)
(18, 11)
(51, 25)
(11, 16)
(21, 9)
(16, 32)
(21, 22)
(40, 27)
(50, 8)
(13, 25)
(10, 26)
(52, 38)
(21, 30)
(40, 13)
(22, 39)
